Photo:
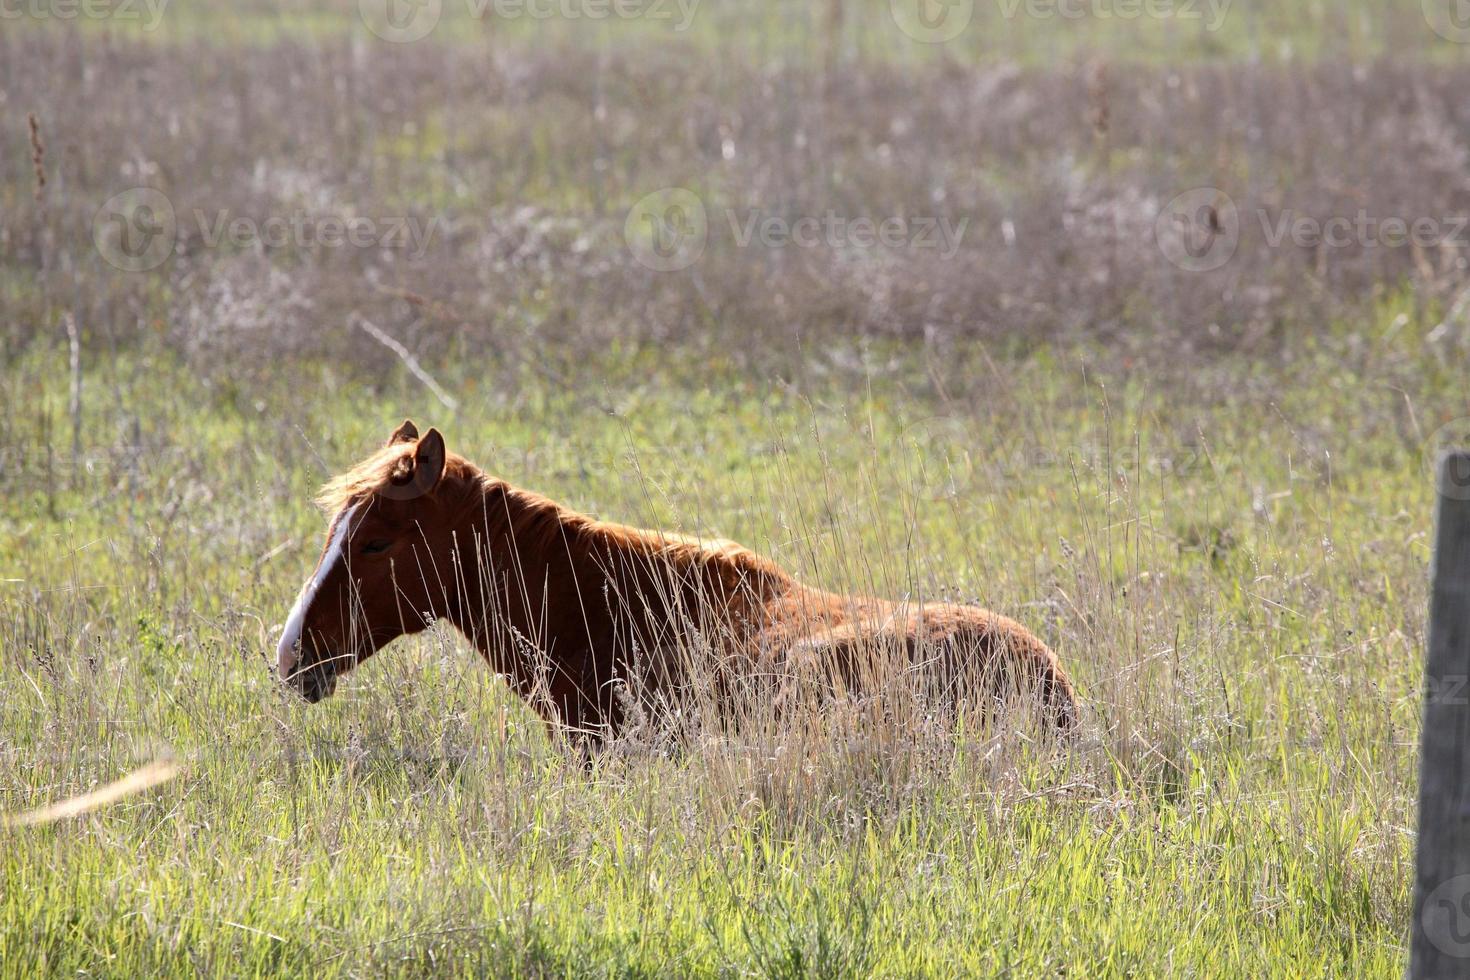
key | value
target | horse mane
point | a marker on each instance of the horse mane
(538, 521)
(362, 480)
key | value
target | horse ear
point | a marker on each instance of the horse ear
(428, 460)
(417, 473)
(407, 432)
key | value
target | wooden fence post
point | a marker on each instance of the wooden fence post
(1440, 930)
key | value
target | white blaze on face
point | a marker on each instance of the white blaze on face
(287, 652)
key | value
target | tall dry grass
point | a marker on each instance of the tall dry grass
(530, 158)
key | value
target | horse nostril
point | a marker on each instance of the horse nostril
(315, 686)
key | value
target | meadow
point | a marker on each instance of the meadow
(1208, 489)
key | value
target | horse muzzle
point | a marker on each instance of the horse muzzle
(314, 685)
(313, 680)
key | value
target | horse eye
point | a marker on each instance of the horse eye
(376, 547)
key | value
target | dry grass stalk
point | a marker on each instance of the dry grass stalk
(38, 157)
(410, 362)
(155, 773)
(74, 406)
(38, 165)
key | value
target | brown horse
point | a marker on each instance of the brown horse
(590, 620)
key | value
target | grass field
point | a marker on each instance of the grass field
(1037, 31)
(1240, 593)
(1208, 491)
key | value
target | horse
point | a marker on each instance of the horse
(593, 622)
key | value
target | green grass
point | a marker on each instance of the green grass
(1029, 32)
(1233, 569)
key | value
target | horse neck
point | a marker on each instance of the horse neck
(509, 543)
(534, 575)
